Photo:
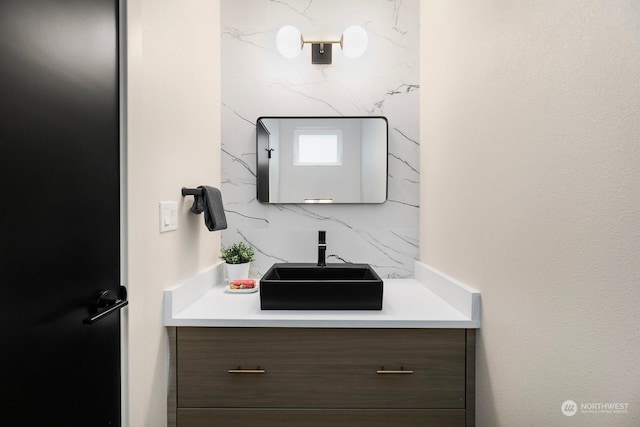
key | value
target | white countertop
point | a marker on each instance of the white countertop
(431, 300)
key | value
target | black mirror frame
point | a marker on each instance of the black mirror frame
(264, 152)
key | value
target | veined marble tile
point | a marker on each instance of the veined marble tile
(257, 81)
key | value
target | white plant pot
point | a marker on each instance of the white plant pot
(237, 271)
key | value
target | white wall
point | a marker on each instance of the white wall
(530, 135)
(338, 182)
(372, 176)
(173, 126)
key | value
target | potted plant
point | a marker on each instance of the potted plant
(238, 259)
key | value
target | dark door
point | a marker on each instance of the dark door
(263, 156)
(60, 223)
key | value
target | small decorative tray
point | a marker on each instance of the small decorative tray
(227, 288)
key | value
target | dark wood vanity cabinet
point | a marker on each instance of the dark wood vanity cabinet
(322, 377)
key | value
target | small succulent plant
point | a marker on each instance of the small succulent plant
(237, 253)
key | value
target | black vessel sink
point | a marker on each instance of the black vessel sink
(293, 286)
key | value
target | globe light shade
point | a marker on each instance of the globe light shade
(289, 41)
(354, 41)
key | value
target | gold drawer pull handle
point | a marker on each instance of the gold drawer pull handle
(247, 371)
(383, 371)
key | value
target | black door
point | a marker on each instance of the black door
(60, 223)
(263, 156)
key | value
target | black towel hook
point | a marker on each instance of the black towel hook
(191, 191)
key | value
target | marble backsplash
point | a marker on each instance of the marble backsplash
(257, 81)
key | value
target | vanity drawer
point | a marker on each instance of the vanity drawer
(320, 368)
(321, 417)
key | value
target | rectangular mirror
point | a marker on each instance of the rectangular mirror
(322, 159)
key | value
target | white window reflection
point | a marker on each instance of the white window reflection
(318, 147)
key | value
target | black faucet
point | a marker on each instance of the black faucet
(322, 248)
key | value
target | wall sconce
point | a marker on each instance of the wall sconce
(353, 43)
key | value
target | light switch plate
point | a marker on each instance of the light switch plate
(168, 216)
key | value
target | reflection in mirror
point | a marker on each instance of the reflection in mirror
(322, 159)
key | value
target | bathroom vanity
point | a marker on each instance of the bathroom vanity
(410, 364)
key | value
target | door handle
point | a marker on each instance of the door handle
(105, 304)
